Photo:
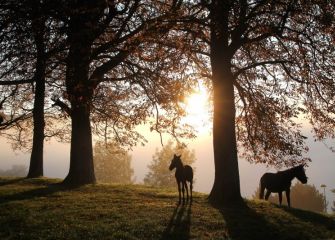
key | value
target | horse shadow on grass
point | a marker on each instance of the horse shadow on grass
(179, 226)
(42, 191)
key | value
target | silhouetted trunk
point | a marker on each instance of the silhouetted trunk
(36, 158)
(226, 188)
(81, 156)
(80, 92)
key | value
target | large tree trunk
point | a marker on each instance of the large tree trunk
(80, 92)
(226, 188)
(81, 156)
(36, 158)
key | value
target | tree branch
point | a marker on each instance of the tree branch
(241, 70)
(64, 107)
(11, 122)
(99, 72)
(17, 82)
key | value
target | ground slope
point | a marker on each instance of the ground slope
(44, 209)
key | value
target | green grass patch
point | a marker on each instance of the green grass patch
(44, 209)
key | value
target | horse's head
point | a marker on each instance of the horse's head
(300, 173)
(175, 161)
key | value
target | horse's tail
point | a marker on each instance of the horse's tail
(261, 189)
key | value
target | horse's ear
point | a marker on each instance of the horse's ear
(303, 165)
(179, 156)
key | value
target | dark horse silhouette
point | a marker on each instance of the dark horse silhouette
(281, 181)
(183, 174)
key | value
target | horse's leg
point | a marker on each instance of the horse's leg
(261, 191)
(280, 197)
(183, 189)
(179, 191)
(288, 197)
(267, 194)
(186, 191)
(191, 188)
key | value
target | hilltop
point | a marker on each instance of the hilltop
(44, 209)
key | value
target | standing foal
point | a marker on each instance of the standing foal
(183, 174)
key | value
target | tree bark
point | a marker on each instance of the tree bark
(226, 187)
(81, 156)
(80, 92)
(36, 157)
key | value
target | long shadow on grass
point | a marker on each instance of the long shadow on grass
(35, 193)
(4, 182)
(243, 222)
(179, 224)
(316, 219)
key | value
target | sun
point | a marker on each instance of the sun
(198, 110)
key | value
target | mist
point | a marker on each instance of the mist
(57, 155)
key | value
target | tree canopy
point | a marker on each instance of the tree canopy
(280, 55)
(114, 68)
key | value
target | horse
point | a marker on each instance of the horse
(184, 174)
(281, 181)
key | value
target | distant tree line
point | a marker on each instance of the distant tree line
(159, 173)
(112, 163)
(14, 171)
(303, 196)
(333, 207)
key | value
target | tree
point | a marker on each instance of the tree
(159, 173)
(303, 196)
(13, 39)
(112, 164)
(324, 197)
(106, 69)
(27, 44)
(26, 34)
(117, 73)
(38, 22)
(270, 62)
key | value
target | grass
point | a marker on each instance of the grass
(44, 209)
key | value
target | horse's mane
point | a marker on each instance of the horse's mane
(290, 169)
(179, 161)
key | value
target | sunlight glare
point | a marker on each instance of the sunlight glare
(198, 110)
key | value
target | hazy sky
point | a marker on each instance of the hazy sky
(320, 171)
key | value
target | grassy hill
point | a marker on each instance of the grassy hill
(44, 209)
